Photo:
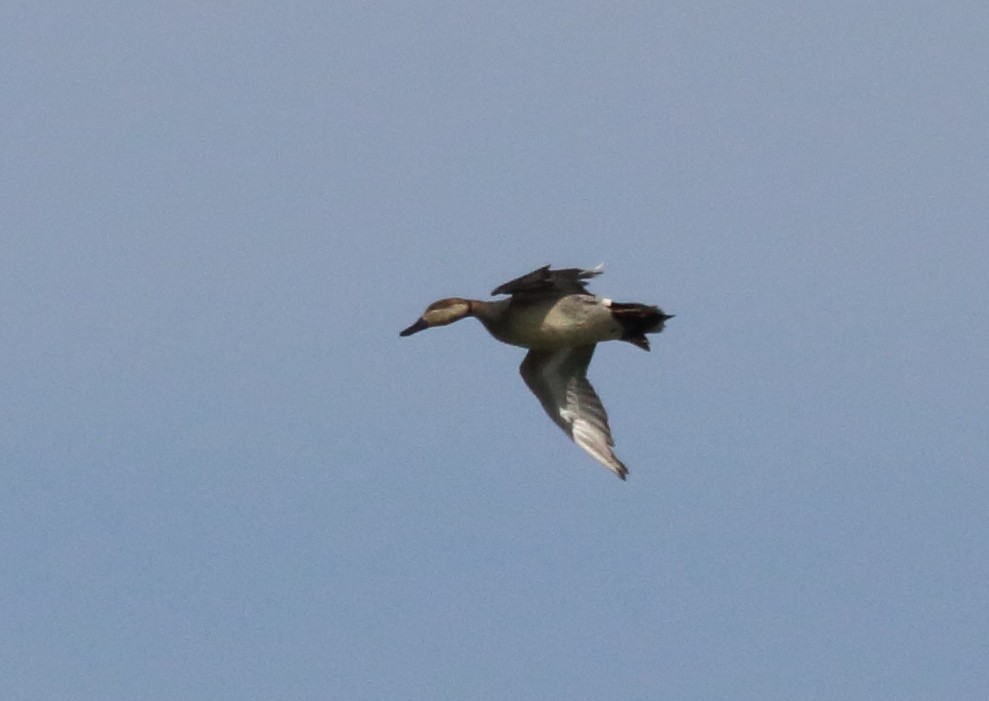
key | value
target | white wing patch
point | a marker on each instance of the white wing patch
(559, 381)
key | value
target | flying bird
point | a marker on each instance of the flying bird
(551, 313)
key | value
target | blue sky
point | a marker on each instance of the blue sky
(226, 476)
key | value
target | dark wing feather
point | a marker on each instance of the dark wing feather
(544, 281)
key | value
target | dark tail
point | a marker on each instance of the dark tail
(637, 320)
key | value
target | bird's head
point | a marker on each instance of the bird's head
(441, 313)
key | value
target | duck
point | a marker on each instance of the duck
(553, 315)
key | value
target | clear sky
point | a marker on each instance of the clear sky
(225, 476)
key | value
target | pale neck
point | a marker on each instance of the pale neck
(488, 311)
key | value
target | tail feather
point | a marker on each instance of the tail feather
(637, 320)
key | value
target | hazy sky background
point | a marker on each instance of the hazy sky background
(225, 476)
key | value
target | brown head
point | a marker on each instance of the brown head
(441, 313)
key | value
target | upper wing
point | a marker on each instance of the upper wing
(545, 281)
(559, 381)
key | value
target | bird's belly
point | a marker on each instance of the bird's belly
(556, 327)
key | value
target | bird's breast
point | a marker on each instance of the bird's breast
(575, 320)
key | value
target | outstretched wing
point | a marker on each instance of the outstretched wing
(544, 281)
(559, 381)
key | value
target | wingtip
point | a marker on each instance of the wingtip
(620, 470)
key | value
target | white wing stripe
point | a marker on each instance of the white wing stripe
(559, 381)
